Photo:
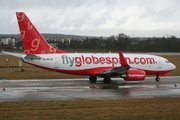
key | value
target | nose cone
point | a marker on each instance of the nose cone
(173, 66)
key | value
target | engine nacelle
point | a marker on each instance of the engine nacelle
(134, 75)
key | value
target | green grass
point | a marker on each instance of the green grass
(135, 108)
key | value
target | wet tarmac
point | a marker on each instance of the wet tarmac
(81, 89)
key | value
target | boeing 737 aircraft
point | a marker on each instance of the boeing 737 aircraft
(131, 67)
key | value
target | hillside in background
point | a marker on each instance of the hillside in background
(45, 35)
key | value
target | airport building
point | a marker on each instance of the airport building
(8, 41)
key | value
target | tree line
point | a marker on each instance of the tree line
(114, 43)
(125, 43)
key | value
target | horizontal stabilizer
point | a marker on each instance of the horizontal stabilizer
(13, 54)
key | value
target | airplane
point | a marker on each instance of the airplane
(130, 67)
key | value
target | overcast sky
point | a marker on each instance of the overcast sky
(95, 17)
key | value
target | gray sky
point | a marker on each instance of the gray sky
(95, 17)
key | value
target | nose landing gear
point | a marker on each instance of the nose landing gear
(157, 78)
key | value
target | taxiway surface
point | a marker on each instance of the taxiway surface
(75, 89)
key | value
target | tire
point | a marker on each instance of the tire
(93, 79)
(107, 80)
(157, 79)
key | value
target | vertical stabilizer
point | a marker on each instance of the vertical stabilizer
(33, 41)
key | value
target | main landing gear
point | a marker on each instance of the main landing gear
(157, 78)
(106, 80)
(93, 79)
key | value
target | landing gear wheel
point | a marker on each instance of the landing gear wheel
(93, 79)
(107, 80)
(157, 78)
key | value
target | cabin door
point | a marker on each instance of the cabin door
(160, 64)
(56, 63)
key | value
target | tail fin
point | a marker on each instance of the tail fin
(33, 41)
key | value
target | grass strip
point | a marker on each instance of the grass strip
(135, 108)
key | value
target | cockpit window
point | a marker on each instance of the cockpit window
(167, 61)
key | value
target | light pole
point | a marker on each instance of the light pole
(7, 63)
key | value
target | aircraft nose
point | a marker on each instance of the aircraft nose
(173, 66)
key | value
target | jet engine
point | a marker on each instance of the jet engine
(134, 75)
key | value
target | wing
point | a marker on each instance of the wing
(117, 70)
